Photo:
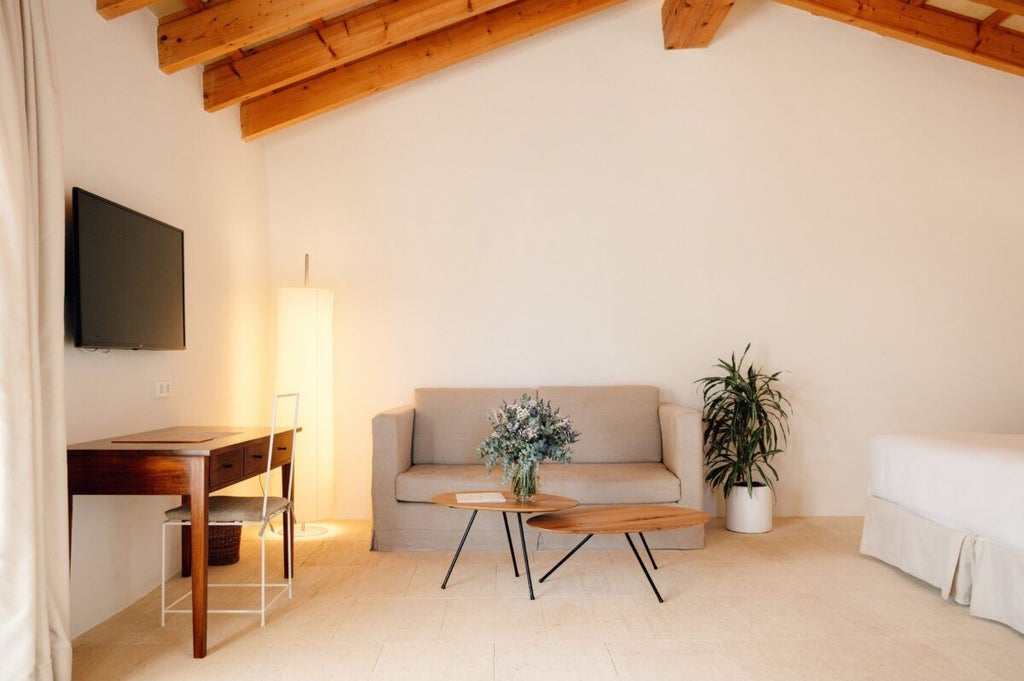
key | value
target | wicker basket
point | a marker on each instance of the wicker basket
(225, 541)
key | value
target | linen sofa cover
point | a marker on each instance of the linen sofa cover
(633, 449)
(452, 422)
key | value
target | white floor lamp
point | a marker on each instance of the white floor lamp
(305, 364)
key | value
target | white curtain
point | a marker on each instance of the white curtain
(34, 567)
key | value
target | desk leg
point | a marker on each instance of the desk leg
(200, 516)
(70, 525)
(186, 545)
(288, 545)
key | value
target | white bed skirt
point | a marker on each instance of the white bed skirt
(971, 570)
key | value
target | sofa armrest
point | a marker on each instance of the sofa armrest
(392, 455)
(682, 450)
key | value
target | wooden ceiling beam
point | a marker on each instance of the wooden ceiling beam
(412, 60)
(111, 9)
(224, 27)
(692, 23)
(951, 34)
(331, 45)
(996, 18)
(1011, 6)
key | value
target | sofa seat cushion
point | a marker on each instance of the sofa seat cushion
(611, 483)
(588, 483)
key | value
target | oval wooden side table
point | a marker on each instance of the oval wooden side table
(639, 518)
(541, 503)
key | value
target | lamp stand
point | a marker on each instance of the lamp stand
(308, 530)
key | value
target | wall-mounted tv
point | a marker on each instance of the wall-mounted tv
(126, 277)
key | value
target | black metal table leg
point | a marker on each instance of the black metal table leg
(511, 551)
(567, 557)
(648, 548)
(644, 567)
(526, 557)
(455, 558)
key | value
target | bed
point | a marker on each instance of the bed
(948, 508)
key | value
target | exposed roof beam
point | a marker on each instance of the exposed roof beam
(692, 23)
(935, 29)
(1011, 6)
(996, 18)
(224, 27)
(416, 58)
(366, 31)
(111, 9)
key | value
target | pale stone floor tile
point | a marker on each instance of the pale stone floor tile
(309, 552)
(599, 618)
(493, 620)
(695, 617)
(915, 612)
(796, 615)
(598, 579)
(312, 662)
(467, 580)
(322, 582)
(847, 659)
(391, 620)
(553, 662)
(423, 559)
(110, 661)
(444, 662)
(675, 661)
(797, 603)
(234, 661)
(377, 580)
(999, 654)
(507, 585)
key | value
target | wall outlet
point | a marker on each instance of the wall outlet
(161, 389)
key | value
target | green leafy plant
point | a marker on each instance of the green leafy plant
(525, 433)
(745, 419)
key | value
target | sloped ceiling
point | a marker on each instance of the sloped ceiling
(285, 61)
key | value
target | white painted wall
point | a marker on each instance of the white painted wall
(585, 207)
(140, 138)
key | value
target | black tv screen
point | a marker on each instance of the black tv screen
(127, 277)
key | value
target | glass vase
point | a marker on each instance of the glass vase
(525, 483)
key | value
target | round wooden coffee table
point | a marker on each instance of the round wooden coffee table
(541, 503)
(639, 518)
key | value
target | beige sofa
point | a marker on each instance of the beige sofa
(633, 449)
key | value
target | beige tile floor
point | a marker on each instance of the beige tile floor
(797, 603)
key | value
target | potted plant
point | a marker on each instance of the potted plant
(745, 420)
(526, 432)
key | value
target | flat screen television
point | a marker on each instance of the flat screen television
(126, 277)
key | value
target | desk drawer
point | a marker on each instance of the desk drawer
(256, 454)
(226, 468)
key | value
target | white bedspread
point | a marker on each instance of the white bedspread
(967, 481)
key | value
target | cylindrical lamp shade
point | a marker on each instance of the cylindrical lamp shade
(305, 364)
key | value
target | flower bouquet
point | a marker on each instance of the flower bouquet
(526, 432)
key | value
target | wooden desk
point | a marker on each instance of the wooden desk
(188, 460)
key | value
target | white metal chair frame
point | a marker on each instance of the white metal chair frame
(263, 522)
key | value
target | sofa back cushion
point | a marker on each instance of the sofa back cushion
(450, 423)
(617, 424)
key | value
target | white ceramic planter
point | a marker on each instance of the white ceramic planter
(746, 514)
